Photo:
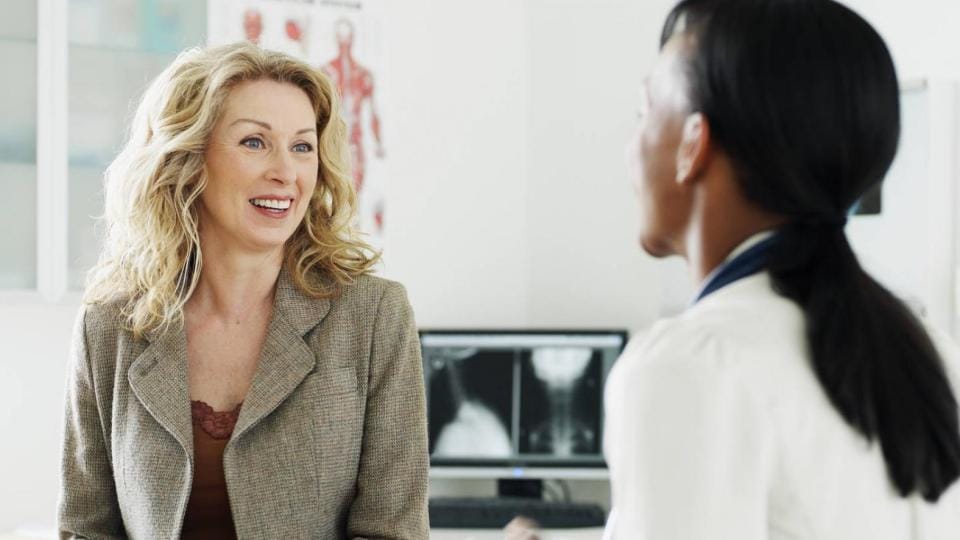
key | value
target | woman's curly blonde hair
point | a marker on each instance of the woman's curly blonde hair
(151, 257)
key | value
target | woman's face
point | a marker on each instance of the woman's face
(652, 154)
(262, 167)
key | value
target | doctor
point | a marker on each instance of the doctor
(796, 397)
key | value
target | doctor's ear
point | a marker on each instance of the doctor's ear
(693, 149)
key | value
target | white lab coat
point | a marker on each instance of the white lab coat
(717, 428)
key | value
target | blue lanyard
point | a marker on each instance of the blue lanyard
(743, 265)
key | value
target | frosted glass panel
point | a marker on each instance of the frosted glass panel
(105, 85)
(83, 236)
(164, 26)
(18, 226)
(116, 48)
(18, 144)
(18, 101)
(19, 20)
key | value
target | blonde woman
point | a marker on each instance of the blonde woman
(236, 371)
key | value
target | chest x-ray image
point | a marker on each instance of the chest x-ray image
(470, 402)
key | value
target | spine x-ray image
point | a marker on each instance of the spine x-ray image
(560, 410)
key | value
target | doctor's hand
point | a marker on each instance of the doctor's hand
(521, 528)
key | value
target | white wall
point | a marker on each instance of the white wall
(509, 200)
(919, 34)
(509, 203)
(456, 137)
(587, 61)
(35, 341)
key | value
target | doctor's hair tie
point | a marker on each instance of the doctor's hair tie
(830, 222)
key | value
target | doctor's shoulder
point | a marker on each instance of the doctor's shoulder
(745, 324)
(755, 345)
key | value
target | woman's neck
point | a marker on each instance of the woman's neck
(714, 233)
(233, 286)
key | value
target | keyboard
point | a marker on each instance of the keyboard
(496, 512)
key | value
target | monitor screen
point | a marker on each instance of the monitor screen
(517, 398)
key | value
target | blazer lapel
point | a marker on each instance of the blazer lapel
(158, 378)
(286, 358)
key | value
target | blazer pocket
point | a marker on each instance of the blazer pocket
(336, 397)
(336, 381)
(338, 428)
(335, 404)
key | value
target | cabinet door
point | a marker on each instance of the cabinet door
(116, 48)
(18, 145)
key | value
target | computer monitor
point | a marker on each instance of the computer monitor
(517, 403)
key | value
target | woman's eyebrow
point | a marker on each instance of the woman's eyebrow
(252, 121)
(267, 126)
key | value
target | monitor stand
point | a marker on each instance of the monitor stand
(530, 488)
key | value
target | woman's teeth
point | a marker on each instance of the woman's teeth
(273, 204)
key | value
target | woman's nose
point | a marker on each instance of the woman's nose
(282, 168)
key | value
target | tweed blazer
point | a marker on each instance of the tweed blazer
(331, 441)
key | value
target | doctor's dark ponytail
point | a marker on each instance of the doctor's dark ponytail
(873, 358)
(803, 97)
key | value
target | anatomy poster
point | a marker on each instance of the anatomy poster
(342, 37)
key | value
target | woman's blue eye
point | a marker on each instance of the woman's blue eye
(253, 143)
(302, 147)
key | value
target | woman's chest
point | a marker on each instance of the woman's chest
(296, 447)
(222, 363)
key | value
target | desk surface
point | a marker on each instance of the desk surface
(593, 533)
(28, 535)
(435, 534)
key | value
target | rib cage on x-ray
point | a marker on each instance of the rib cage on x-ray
(543, 402)
(470, 403)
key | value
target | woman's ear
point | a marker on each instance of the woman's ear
(693, 149)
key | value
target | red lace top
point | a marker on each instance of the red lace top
(208, 510)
